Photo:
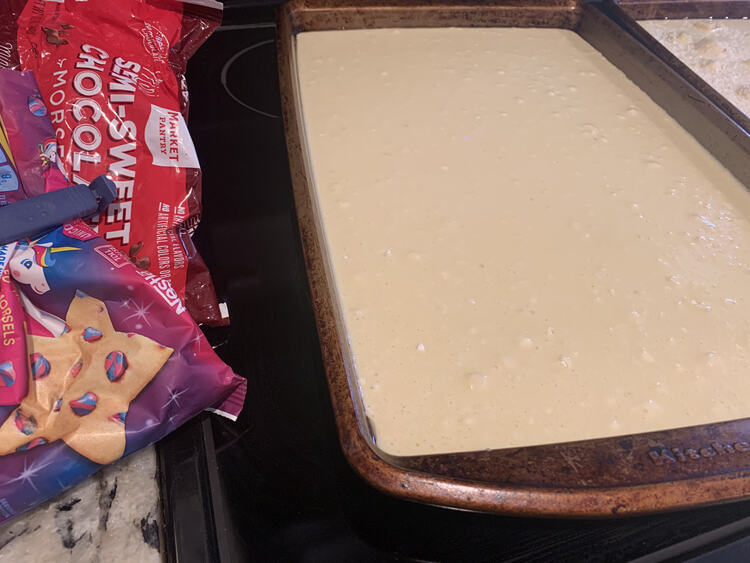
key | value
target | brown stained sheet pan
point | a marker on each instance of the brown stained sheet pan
(626, 12)
(614, 476)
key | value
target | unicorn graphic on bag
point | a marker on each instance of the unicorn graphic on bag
(30, 260)
(54, 177)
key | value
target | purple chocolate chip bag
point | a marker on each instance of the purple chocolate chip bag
(31, 136)
(115, 362)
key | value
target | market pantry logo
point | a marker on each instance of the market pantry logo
(662, 455)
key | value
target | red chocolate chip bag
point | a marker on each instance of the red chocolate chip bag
(112, 77)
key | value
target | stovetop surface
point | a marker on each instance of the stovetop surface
(275, 486)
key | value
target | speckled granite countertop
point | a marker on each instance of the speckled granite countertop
(113, 513)
(717, 50)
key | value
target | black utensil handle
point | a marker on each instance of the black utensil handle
(39, 214)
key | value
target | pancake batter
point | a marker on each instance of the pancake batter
(526, 248)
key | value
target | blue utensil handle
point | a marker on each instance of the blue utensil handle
(37, 215)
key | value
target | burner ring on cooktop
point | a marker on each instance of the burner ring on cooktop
(225, 78)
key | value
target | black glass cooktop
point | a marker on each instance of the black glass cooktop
(274, 486)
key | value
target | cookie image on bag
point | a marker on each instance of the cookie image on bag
(81, 385)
